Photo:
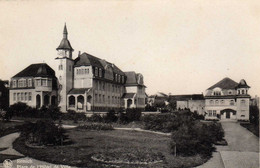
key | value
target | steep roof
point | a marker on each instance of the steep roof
(225, 83)
(242, 84)
(65, 43)
(37, 70)
(131, 77)
(86, 59)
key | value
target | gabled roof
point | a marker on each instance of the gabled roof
(37, 70)
(225, 83)
(86, 59)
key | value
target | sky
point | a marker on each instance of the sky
(180, 46)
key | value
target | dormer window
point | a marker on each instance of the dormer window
(100, 72)
(29, 82)
(96, 71)
(14, 83)
(243, 91)
(216, 93)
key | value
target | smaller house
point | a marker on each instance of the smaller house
(158, 99)
(194, 102)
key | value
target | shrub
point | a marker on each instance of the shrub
(111, 116)
(191, 140)
(96, 126)
(196, 138)
(133, 114)
(96, 118)
(43, 132)
(166, 122)
(197, 116)
(72, 115)
(122, 118)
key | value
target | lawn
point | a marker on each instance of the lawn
(114, 145)
(251, 127)
(8, 127)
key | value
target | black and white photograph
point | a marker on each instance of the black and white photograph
(129, 84)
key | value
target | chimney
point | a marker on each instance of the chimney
(79, 53)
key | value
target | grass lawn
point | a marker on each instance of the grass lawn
(8, 127)
(254, 129)
(117, 143)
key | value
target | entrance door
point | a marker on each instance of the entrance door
(228, 114)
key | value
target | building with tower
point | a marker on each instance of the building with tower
(227, 99)
(83, 84)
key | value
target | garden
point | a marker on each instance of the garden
(95, 141)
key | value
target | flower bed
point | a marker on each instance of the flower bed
(136, 157)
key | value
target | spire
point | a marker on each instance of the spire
(65, 44)
(65, 32)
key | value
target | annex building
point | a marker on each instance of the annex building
(227, 99)
(86, 83)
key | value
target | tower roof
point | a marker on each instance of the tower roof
(242, 84)
(65, 43)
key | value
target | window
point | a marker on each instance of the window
(96, 71)
(86, 71)
(25, 96)
(100, 72)
(123, 79)
(222, 101)
(22, 94)
(14, 83)
(29, 82)
(44, 82)
(243, 91)
(232, 102)
(38, 82)
(209, 113)
(99, 100)
(243, 102)
(14, 96)
(18, 96)
(60, 67)
(238, 91)
(108, 99)
(116, 77)
(216, 93)
(211, 102)
(30, 96)
(70, 68)
(229, 92)
(216, 102)
(103, 99)
(214, 113)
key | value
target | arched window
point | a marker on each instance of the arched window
(243, 91)
(211, 102)
(96, 71)
(216, 102)
(232, 102)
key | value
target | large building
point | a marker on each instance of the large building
(86, 83)
(227, 99)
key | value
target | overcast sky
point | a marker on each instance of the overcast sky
(180, 47)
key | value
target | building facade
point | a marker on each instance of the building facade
(84, 84)
(227, 99)
(193, 102)
(36, 86)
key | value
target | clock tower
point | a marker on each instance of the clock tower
(64, 70)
